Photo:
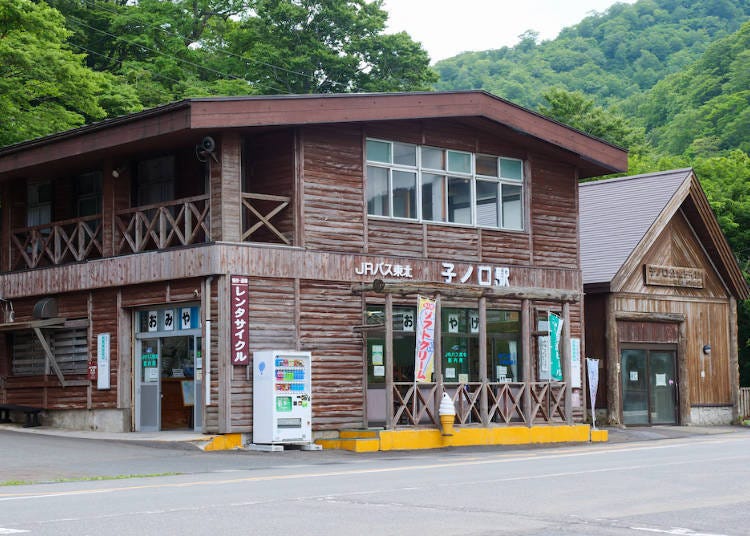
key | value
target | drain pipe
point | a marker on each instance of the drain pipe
(207, 339)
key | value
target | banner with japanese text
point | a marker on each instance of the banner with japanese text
(555, 330)
(592, 367)
(425, 351)
(240, 289)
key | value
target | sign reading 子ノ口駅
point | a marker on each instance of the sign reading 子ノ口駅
(674, 276)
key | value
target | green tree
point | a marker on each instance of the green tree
(171, 49)
(326, 46)
(44, 86)
(576, 110)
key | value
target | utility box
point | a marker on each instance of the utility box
(282, 397)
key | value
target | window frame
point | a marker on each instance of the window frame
(443, 215)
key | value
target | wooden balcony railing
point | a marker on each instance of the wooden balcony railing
(153, 227)
(257, 212)
(56, 243)
(505, 403)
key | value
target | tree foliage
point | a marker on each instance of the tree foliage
(44, 86)
(173, 49)
(608, 56)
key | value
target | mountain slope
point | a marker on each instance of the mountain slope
(608, 56)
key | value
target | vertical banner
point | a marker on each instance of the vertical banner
(592, 366)
(102, 361)
(575, 363)
(555, 330)
(240, 288)
(425, 350)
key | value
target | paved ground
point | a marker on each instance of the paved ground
(46, 454)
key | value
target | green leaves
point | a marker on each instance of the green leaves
(44, 86)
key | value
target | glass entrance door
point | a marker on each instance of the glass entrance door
(148, 392)
(169, 381)
(649, 386)
(663, 390)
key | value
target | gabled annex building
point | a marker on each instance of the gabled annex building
(661, 287)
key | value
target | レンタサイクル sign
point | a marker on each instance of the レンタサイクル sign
(240, 290)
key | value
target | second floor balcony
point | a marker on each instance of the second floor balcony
(153, 227)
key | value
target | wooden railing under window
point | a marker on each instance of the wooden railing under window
(505, 403)
(257, 212)
(55, 243)
(153, 227)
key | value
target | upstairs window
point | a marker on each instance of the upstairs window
(432, 184)
(88, 192)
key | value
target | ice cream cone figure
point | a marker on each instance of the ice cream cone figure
(447, 414)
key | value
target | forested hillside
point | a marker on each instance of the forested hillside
(608, 56)
(667, 79)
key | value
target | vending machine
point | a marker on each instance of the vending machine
(282, 402)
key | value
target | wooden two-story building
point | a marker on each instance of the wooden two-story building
(144, 259)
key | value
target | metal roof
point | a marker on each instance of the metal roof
(616, 214)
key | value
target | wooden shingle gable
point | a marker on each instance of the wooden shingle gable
(607, 267)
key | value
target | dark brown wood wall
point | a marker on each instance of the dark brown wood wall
(270, 169)
(554, 218)
(595, 311)
(104, 319)
(273, 325)
(328, 313)
(333, 189)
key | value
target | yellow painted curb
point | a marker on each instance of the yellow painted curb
(224, 442)
(352, 434)
(599, 436)
(331, 444)
(463, 436)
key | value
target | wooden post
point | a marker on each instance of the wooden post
(226, 189)
(566, 364)
(526, 356)
(483, 400)
(683, 385)
(389, 361)
(734, 368)
(7, 229)
(613, 364)
(438, 364)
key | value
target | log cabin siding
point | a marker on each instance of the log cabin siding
(505, 247)
(104, 319)
(333, 189)
(387, 237)
(272, 325)
(328, 313)
(454, 243)
(554, 216)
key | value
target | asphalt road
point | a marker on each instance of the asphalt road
(691, 486)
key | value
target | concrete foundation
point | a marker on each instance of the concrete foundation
(101, 420)
(710, 415)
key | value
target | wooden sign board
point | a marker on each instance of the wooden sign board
(674, 276)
